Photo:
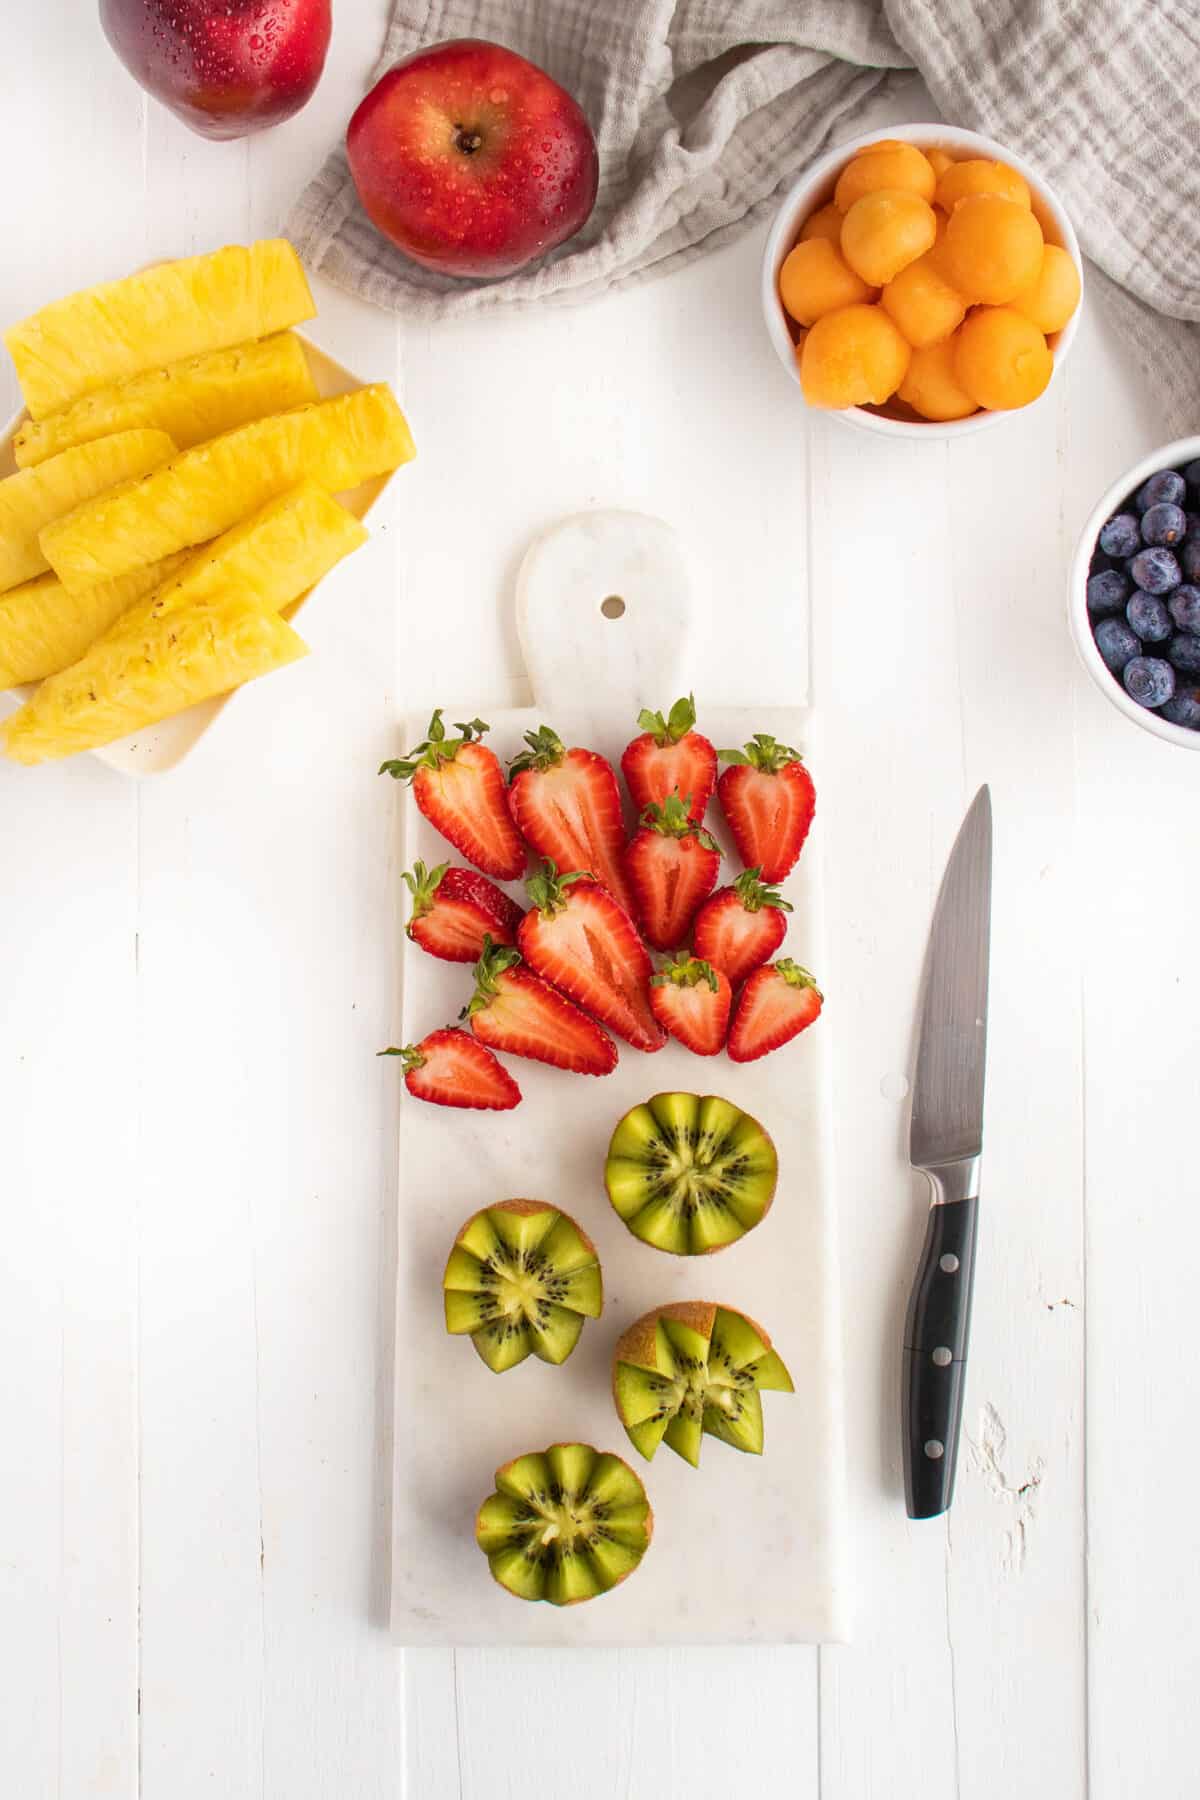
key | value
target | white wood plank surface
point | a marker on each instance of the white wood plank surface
(198, 1225)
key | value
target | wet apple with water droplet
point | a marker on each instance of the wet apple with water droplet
(472, 160)
(225, 67)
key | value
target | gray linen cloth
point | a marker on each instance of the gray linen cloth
(705, 110)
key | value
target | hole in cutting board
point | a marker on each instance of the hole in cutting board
(613, 607)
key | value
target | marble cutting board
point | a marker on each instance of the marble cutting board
(746, 1549)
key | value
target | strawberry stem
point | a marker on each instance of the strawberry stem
(423, 884)
(546, 750)
(795, 976)
(436, 749)
(547, 888)
(762, 752)
(496, 958)
(685, 971)
(672, 819)
(754, 894)
(412, 1056)
(676, 725)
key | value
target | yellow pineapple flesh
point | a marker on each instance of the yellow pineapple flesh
(32, 498)
(43, 628)
(190, 401)
(203, 491)
(272, 558)
(174, 310)
(126, 682)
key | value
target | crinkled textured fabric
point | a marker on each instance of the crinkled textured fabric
(704, 111)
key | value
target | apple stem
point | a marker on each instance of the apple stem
(467, 141)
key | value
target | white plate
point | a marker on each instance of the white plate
(161, 746)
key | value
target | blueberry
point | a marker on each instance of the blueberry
(1149, 680)
(1167, 485)
(1155, 570)
(1148, 616)
(1163, 524)
(1184, 652)
(1184, 708)
(1191, 474)
(1185, 608)
(1116, 643)
(1121, 535)
(1107, 591)
(1189, 558)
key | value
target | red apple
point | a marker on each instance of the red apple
(472, 160)
(225, 67)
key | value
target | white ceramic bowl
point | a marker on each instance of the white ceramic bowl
(816, 186)
(1171, 456)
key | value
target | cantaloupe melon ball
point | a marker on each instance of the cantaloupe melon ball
(939, 161)
(889, 165)
(992, 248)
(1001, 358)
(855, 357)
(922, 302)
(883, 232)
(979, 176)
(826, 222)
(1053, 294)
(814, 280)
(931, 387)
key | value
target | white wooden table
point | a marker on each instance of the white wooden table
(197, 1199)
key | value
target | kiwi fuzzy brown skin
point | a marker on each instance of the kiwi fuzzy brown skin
(648, 1523)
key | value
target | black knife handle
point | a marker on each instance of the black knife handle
(935, 1356)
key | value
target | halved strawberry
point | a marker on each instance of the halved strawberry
(454, 909)
(451, 1069)
(577, 937)
(692, 999)
(459, 786)
(776, 1004)
(741, 927)
(566, 803)
(670, 758)
(673, 865)
(769, 800)
(518, 1012)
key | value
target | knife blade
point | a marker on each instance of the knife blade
(945, 1143)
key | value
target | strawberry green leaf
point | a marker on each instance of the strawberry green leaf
(685, 971)
(436, 749)
(547, 888)
(762, 752)
(423, 884)
(672, 819)
(754, 895)
(496, 958)
(795, 976)
(546, 750)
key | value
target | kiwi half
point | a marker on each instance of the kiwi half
(521, 1278)
(694, 1367)
(564, 1524)
(690, 1173)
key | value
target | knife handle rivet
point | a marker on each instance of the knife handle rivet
(942, 1356)
(948, 1264)
(934, 1448)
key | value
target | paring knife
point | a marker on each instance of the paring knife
(945, 1143)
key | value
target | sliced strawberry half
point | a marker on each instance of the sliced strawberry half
(459, 786)
(741, 927)
(673, 865)
(451, 1069)
(567, 804)
(769, 799)
(776, 1004)
(518, 1012)
(576, 937)
(453, 911)
(670, 757)
(692, 1000)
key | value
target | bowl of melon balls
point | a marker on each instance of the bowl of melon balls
(925, 283)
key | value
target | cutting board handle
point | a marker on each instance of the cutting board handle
(607, 614)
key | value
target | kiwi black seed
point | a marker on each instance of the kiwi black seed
(690, 1173)
(691, 1368)
(521, 1279)
(564, 1524)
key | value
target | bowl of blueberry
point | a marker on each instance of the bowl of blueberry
(1135, 594)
